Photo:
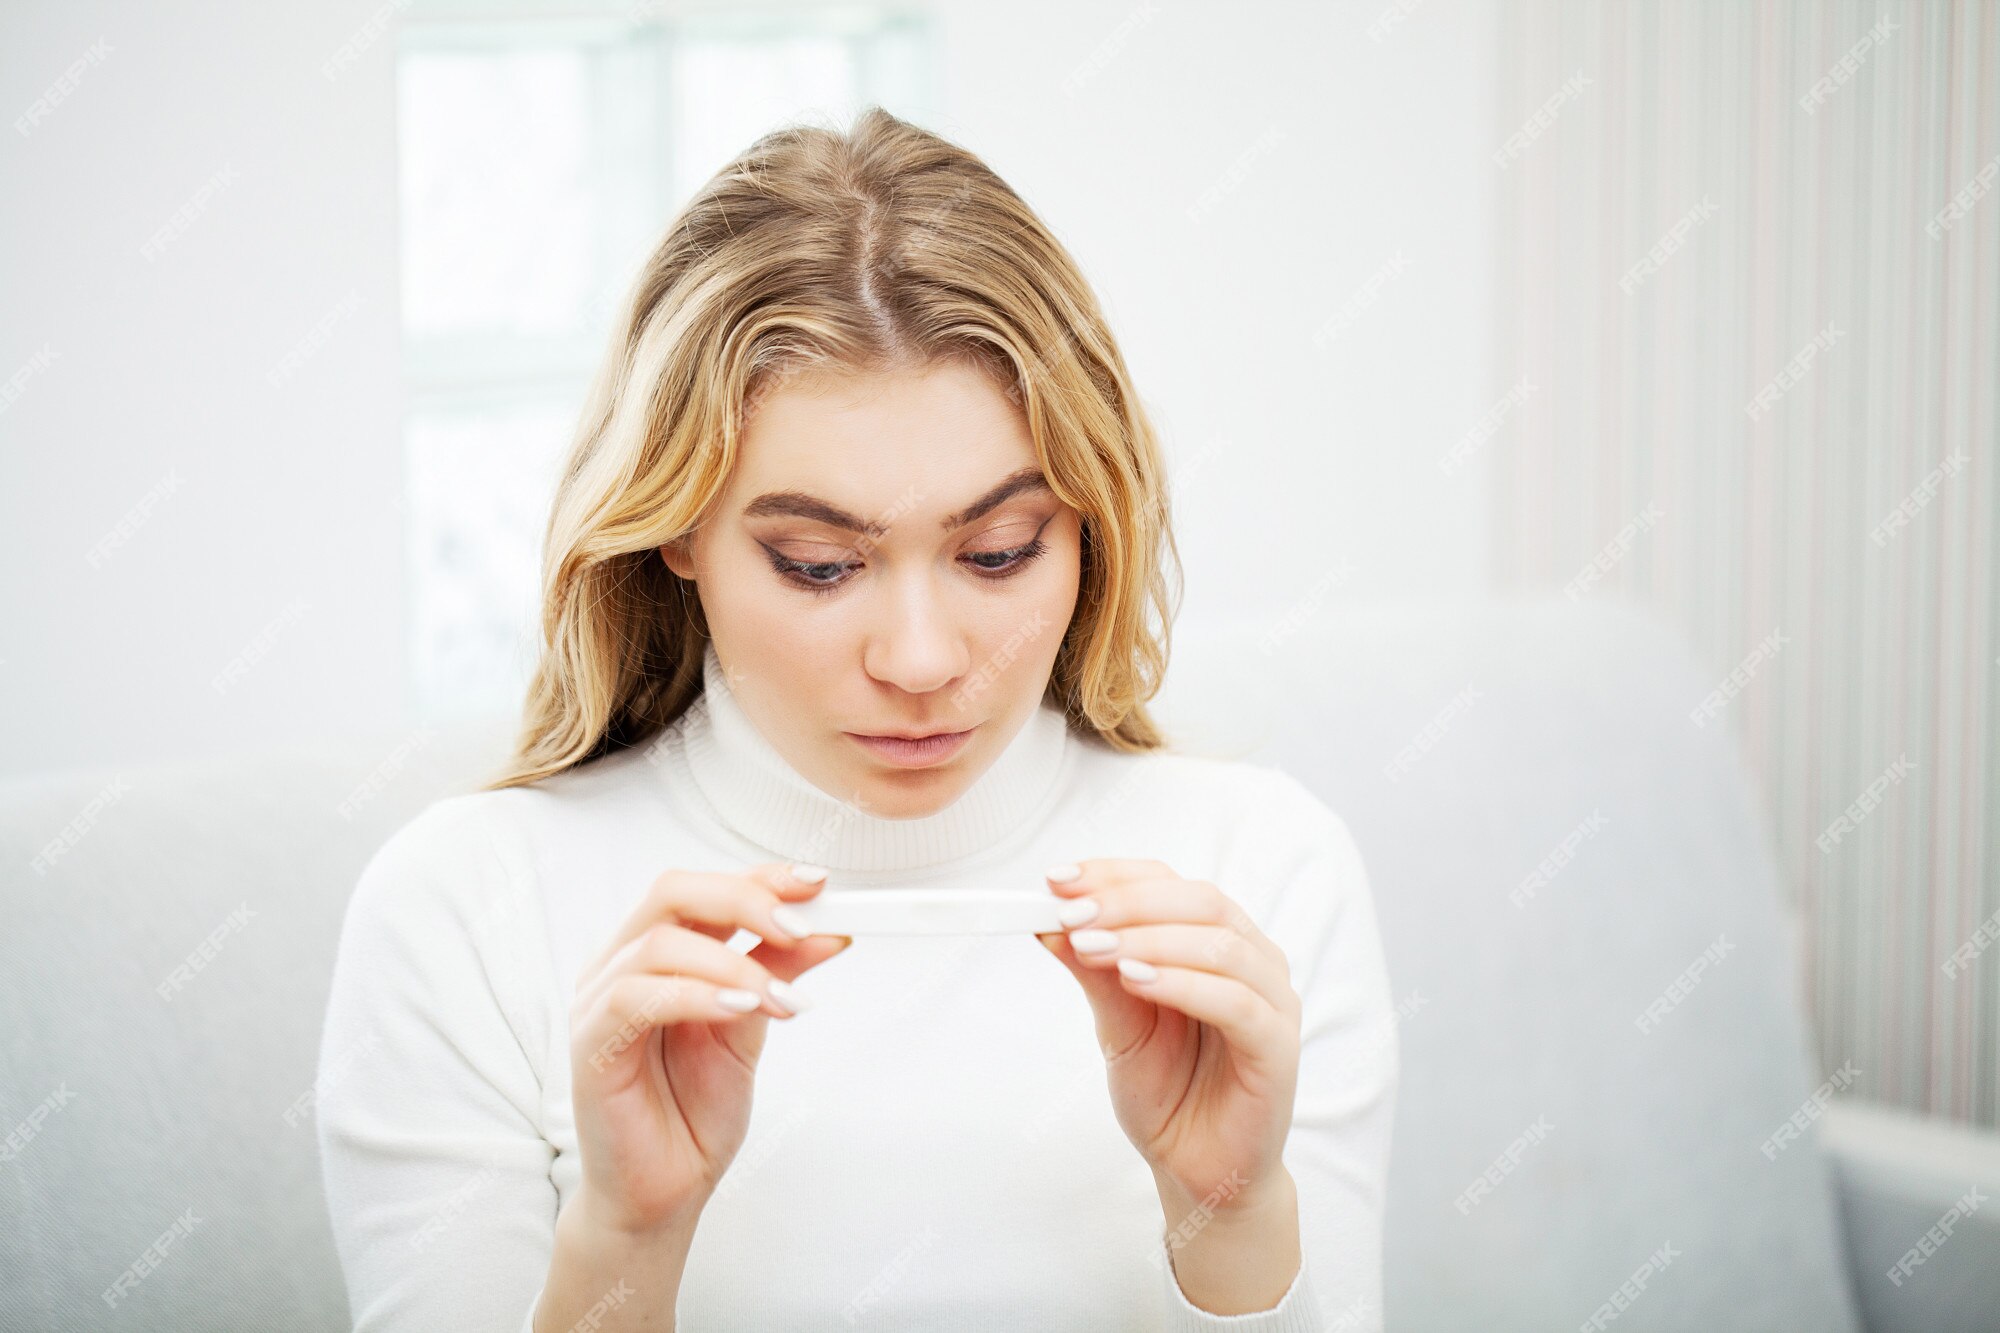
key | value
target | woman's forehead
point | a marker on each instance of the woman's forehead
(948, 400)
(915, 443)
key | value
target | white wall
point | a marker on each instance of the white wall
(263, 497)
(268, 534)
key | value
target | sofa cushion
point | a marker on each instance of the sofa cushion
(1600, 1019)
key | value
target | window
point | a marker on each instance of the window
(540, 157)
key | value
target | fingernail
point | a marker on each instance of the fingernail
(1077, 911)
(807, 874)
(737, 1001)
(1138, 970)
(1063, 873)
(1093, 941)
(791, 921)
(788, 998)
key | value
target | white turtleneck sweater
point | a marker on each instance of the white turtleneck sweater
(932, 1144)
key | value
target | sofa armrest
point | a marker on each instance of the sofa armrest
(1920, 1199)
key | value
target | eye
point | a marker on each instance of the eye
(821, 577)
(811, 575)
(1009, 562)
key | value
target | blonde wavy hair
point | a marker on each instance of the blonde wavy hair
(882, 248)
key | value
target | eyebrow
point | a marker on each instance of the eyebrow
(798, 504)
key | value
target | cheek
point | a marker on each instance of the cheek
(1024, 627)
(1056, 591)
(752, 612)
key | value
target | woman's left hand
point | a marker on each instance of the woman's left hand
(1203, 1059)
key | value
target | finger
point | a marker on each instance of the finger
(1100, 871)
(1129, 902)
(717, 903)
(1122, 1019)
(788, 961)
(616, 1025)
(1246, 1019)
(670, 949)
(1142, 901)
(1217, 949)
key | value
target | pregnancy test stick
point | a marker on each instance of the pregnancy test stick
(918, 911)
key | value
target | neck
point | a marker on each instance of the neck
(754, 791)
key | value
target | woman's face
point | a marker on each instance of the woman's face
(886, 561)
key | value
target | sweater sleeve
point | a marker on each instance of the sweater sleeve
(436, 1171)
(1322, 915)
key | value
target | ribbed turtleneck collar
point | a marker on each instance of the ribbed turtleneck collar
(754, 791)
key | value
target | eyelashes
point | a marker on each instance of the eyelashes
(803, 574)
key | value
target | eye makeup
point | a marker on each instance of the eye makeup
(816, 576)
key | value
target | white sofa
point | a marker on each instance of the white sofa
(171, 929)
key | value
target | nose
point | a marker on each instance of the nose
(922, 648)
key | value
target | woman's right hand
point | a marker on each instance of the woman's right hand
(661, 1065)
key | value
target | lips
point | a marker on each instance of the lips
(914, 752)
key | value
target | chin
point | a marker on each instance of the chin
(911, 793)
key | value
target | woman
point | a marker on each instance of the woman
(865, 465)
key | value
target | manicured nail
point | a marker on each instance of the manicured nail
(807, 874)
(738, 1001)
(1077, 911)
(788, 998)
(1063, 873)
(1093, 941)
(1138, 970)
(791, 921)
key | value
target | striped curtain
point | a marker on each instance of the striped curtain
(1750, 336)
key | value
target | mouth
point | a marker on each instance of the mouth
(905, 751)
